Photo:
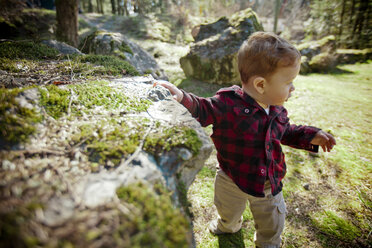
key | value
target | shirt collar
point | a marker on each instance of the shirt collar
(274, 110)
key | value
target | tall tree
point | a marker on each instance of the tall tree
(67, 21)
(113, 7)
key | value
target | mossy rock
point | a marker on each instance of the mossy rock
(159, 224)
(312, 48)
(26, 50)
(116, 44)
(305, 67)
(17, 119)
(30, 24)
(322, 62)
(212, 58)
(350, 56)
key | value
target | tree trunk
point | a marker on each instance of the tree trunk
(90, 6)
(67, 21)
(113, 7)
(276, 16)
(352, 12)
(341, 20)
(125, 9)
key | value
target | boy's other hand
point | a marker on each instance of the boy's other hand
(176, 93)
(325, 140)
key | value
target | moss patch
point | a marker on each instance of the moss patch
(108, 147)
(112, 64)
(156, 222)
(125, 48)
(55, 100)
(99, 93)
(16, 122)
(89, 95)
(14, 224)
(165, 139)
(26, 50)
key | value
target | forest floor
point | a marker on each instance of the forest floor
(328, 196)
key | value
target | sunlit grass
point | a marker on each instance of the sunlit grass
(328, 196)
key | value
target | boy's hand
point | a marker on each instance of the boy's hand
(325, 140)
(176, 93)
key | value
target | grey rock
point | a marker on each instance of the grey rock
(212, 58)
(306, 186)
(58, 211)
(61, 47)
(108, 43)
(158, 93)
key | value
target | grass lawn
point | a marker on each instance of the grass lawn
(329, 195)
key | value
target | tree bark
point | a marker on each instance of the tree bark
(67, 21)
(341, 19)
(113, 7)
(90, 6)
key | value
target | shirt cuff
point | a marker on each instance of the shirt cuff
(309, 136)
(187, 100)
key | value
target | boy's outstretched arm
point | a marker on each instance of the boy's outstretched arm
(207, 111)
(176, 93)
(325, 140)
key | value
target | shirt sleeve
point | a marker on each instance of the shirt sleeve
(206, 110)
(300, 137)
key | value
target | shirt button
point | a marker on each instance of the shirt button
(246, 111)
(262, 171)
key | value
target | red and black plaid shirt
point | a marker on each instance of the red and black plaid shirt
(247, 139)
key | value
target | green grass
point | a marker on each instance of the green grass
(335, 211)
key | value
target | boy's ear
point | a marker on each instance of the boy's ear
(259, 84)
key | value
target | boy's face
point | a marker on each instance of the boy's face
(280, 84)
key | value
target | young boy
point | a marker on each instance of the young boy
(249, 126)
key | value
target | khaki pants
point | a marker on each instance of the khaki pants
(268, 212)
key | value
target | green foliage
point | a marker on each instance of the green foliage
(26, 50)
(12, 65)
(156, 222)
(16, 122)
(182, 193)
(99, 93)
(109, 147)
(55, 100)
(348, 20)
(125, 48)
(166, 139)
(113, 65)
(89, 95)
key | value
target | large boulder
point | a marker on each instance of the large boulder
(319, 55)
(108, 43)
(212, 58)
(61, 47)
(97, 164)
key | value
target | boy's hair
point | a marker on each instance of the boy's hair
(262, 53)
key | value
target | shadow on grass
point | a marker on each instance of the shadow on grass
(235, 240)
(334, 71)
